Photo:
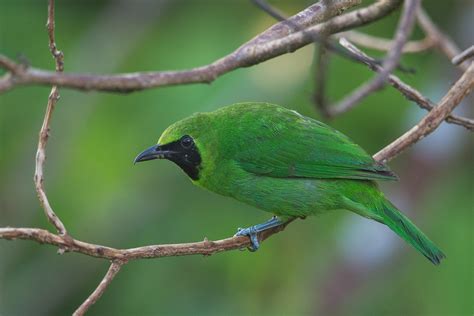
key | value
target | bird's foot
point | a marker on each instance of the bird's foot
(252, 231)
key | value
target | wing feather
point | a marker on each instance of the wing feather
(286, 144)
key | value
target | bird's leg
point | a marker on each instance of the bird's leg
(252, 231)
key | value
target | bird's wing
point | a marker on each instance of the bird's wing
(289, 145)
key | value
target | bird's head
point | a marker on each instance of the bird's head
(182, 144)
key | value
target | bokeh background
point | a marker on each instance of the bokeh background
(337, 264)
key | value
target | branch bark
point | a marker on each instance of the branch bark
(383, 44)
(467, 54)
(443, 41)
(409, 92)
(206, 247)
(404, 28)
(44, 132)
(431, 121)
(249, 54)
(94, 297)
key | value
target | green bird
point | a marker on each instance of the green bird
(284, 163)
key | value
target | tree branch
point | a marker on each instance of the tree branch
(44, 132)
(94, 297)
(404, 28)
(205, 247)
(443, 42)
(463, 56)
(431, 121)
(253, 52)
(409, 92)
(382, 44)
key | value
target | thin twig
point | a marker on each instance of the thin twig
(443, 41)
(8, 64)
(382, 44)
(272, 11)
(245, 56)
(404, 28)
(433, 119)
(44, 132)
(468, 53)
(50, 25)
(409, 92)
(94, 297)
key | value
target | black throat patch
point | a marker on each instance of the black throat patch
(185, 154)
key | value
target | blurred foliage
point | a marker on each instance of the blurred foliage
(103, 198)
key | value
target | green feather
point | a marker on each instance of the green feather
(401, 225)
(286, 144)
(290, 165)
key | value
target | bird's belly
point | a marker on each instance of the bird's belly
(288, 197)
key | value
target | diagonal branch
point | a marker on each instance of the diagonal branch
(382, 44)
(249, 54)
(94, 297)
(443, 42)
(280, 16)
(44, 132)
(271, 10)
(404, 28)
(467, 54)
(410, 93)
(433, 119)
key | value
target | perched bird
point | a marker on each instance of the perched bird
(284, 163)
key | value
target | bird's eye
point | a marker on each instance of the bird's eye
(187, 141)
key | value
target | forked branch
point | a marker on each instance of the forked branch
(251, 53)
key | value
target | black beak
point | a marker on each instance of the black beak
(154, 152)
(182, 152)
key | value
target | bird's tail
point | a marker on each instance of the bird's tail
(404, 228)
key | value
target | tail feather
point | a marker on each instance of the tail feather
(404, 228)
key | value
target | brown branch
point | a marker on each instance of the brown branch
(251, 53)
(280, 16)
(468, 53)
(272, 11)
(122, 256)
(50, 24)
(44, 132)
(409, 92)
(433, 119)
(69, 244)
(8, 64)
(94, 297)
(382, 44)
(442, 41)
(404, 28)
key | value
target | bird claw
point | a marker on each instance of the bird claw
(252, 233)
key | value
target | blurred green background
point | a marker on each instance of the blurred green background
(332, 265)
